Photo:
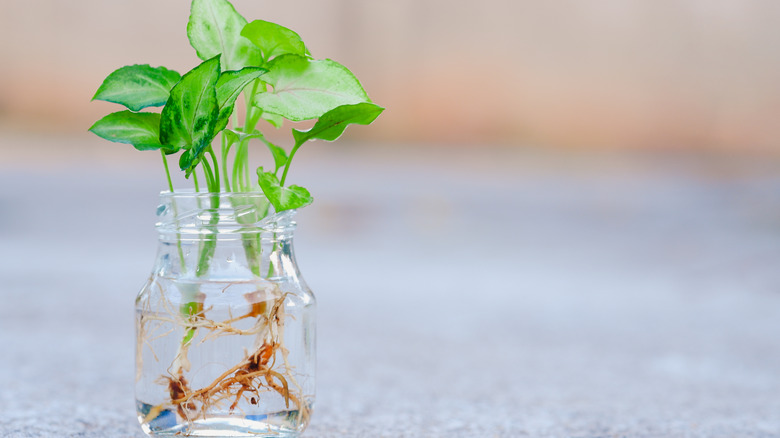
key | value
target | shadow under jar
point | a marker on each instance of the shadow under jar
(225, 325)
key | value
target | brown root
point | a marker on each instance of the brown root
(247, 380)
(178, 388)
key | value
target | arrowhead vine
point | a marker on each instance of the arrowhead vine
(265, 63)
(193, 117)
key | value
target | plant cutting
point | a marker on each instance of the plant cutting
(225, 323)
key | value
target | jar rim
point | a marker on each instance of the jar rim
(191, 212)
(191, 193)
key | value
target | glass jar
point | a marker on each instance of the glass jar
(225, 325)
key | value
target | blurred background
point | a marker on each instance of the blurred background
(566, 223)
(688, 74)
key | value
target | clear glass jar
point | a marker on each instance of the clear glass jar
(225, 325)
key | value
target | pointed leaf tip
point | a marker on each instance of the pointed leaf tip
(142, 130)
(215, 28)
(273, 39)
(189, 118)
(138, 86)
(332, 124)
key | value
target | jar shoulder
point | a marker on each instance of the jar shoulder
(220, 290)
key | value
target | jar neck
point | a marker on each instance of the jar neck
(227, 259)
(224, 237)
(192, 215)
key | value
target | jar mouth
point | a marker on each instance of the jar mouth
(192, 194)
(201, 213)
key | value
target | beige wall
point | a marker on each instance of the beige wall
(577, 73)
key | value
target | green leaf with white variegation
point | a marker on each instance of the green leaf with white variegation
(228, 87)
(215, 28)
(273, 40)
(142, 130)
(200, 104)
(305, 89)
(332, 124)
(188, 161)
(231, 83)
(282, 198)
(138, 86)
(190, 116)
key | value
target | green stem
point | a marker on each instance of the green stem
(252, 243)
(252, 249)
(188, 309)
(234, 121)
(271, 259)
(250, 107)
(209, 243)
(209, 176)
(175, 213)
(240, 164)
(216, 169)
(206, 249)
(246, 174)
(225, 150)
(253, 119)
(167, 171)
(287, 165)
(195, 179)
(237, 166)
(236, 185)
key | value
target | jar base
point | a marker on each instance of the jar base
(278, 424)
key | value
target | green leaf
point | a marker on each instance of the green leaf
(333, 123)
(215, 28)
(305, 89)
(228, 87)
(231, 83)
(138, 86)
(282, 198)
(273, 40)
(238, 136)
(279, 154)
(142, 130)
(188, 161)
(274, 119)
(233, 137)
(190, 116)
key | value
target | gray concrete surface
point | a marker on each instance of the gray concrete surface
(479, 293)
